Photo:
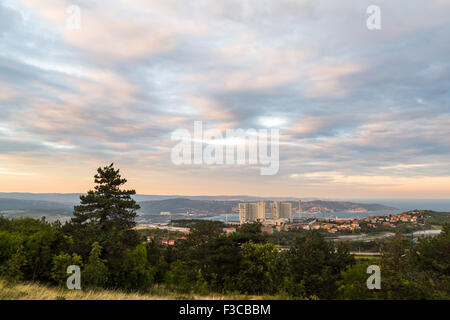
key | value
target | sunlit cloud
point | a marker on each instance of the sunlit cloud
(359, 112)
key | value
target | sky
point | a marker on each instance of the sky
(361, 113)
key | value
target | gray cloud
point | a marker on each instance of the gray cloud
(347, 99)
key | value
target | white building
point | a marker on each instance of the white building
(281, 210)
(250, 212)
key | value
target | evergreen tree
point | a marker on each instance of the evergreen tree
(105, 215)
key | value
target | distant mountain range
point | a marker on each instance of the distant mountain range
(55, 206)
(73, 198)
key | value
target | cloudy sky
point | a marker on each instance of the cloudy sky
(362, 113)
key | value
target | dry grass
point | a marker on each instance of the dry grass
(34, 291)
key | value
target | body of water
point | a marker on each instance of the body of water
(412, 204)
(401, 204)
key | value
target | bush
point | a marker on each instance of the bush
(60, 264)
(177, 278)
(12, 269)
(136, 274)
(260, 268)
(95, 272)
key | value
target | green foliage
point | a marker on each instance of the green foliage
(394, 268)
(260, 269)
(136, 273)
(11, 270)
(160, 257)
(40, 241)
(95, 272)
(201, 285)
(436, 218)
(250, 232)
(9, 243)
(433, 253)
(317, 264)
(177, 278)
(219, 260)
(353, 284)
(203, 231)
(59, 267)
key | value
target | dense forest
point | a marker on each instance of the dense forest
(102, 240)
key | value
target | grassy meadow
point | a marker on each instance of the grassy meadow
(35, 291)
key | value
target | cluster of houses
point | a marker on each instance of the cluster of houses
(331, 225)
(335, 225)
(391, 220)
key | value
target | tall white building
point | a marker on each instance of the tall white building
(250, 212)
(275, 208)
(243, 212)
(281, 210)
(261, 211)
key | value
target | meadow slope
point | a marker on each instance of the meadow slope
(35, 291)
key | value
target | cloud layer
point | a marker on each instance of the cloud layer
(361, 113)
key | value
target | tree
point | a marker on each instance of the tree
(12, 270)
(250, 232)
(316, 264)
(395, 264)
(261, 269)
(431, 265)
(203, 231)
(217, 256)
(135, 270)
(201, 285)
(60, 264)
(353, 285)
(433, 253)
(40, 240)
(219, 259)
(95, 272)
(9, 244)
(176, 277)
(156, 257)
(106, 215)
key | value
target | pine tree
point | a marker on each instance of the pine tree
(105, 215)
(107, 206)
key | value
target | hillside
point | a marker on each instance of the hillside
(342, 206)
(183, 205)
(14, 208)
